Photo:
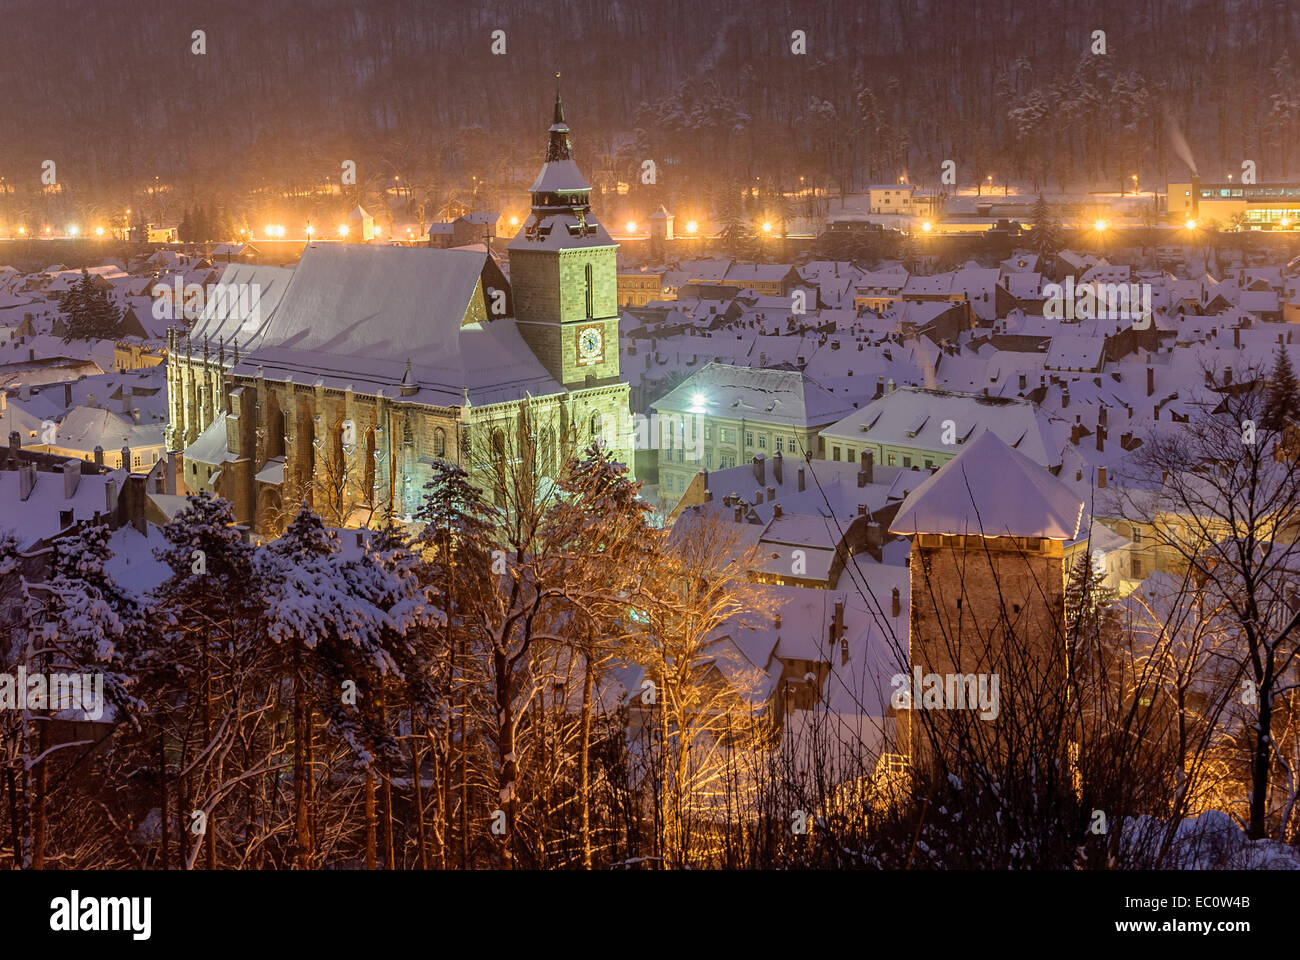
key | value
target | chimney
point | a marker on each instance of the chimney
(126, 457)
(801, 479)
(1227, 376)
(1023, 378)
(1101, 438)
(110, 496)
(771, 494)
(760, 468)
(135, 414)
(838, 626)
(1076, 431)
(868, 472)
(880, 387)
(1101, 414)
(776, 621)
(875, 537)
(26, 480)
(1236, 337)
(71, 478)
(92, 401)
(1151, 381)
(1065, 396)
(758, 496)
(67, 395)
(99, 455)
(15, 441)
(890, 385)
(776, 511)
(776, 467)
(895, 603)
(1101, 478)
(739, 510)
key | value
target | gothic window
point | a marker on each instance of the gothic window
(595, 426)
(590, 310)
(439, 442)
(408, 431)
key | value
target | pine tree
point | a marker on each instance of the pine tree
(1046, 236)
(1283, 403)
(90, 314)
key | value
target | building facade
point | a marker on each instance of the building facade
(343, 382)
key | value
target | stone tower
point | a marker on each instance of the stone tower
(564, 272)
(987, 580)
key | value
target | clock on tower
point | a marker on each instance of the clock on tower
(590, 344)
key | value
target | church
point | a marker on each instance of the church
(341, 382)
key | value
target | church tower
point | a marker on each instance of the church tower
(564, 273)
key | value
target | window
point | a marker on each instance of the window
(708, 431)
(749, 438)
(762, 441)
(849, 455)
(835, 453)
(439, 442)
(929, 464)
(907, 461)
(1137, 535)
(726, 461)
(708, 459)
(893, 460)
(780, 444)
(727, 435)
(681, 454)
(595, 421)
(590, 312)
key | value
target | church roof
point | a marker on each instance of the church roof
(991, 490)
(559, 176)
(353, 315)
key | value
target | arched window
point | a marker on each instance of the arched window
(595, 426)
(590, 304)
(439, 442)
(408, 431)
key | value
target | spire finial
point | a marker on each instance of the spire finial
(559, 105)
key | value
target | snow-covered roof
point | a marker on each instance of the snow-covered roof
(991, 490)
(769, 396)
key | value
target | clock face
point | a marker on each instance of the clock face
(591, 345)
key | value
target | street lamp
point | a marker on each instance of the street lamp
(1099, 226)
(692, 226)
(767, 227)
(631, 226)
(343, 230)
(1191, 224)
(927, 226)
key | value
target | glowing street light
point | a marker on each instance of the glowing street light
(631, 226)
(514, 221)
(767, 227)
(1099, 226)
(379, 231)
(1285, 222)
(1191, 224)
(99, 231)
(279, 230)
(692, 226)
(22, 231)
(73, 231)
(343, 230)
(927, 226)
(310, 231)
(697, 402)
(270, 230)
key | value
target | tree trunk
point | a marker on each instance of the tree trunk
(584, 762)
(418, 795)
(300, 734)
(162, 803)
(370, 819)
(509, 764)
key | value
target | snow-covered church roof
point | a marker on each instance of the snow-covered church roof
(991, 490)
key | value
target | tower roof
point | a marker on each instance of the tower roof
(991, 490)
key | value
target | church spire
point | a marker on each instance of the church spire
(559, 147)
